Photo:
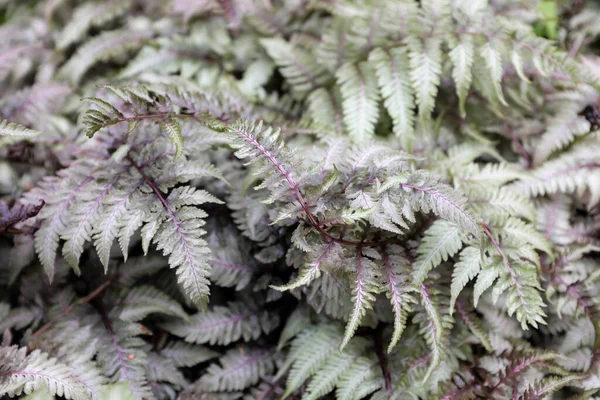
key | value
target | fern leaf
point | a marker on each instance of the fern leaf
(173, 130)
(23, 373)
(103, 47)
(46, 238)
(309, 352)
(442, 200)
(360, 95)
(474, 324)
(521, 283)
(180, 238)
(461, 56)
(520, 231)
(442, 240)
(493, 61)
(356, 377)
(563, 128)
(425, 69)
(486, 278)
(144, 300)
(336, 366)
(548, 386)
(89, 15)
(324, 108)
(121, 355)
(335, 49)
(362, 296)
(239, 368)
(224, 325)
(396, 90)
(265, 147)
(397, 290)
(299, 67)
(186, 354)
(115, 208)
(465, 269)
(84, 215)
(434, 327)
(8, 128)
(312, 269)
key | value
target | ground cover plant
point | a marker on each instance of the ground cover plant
(299, 199)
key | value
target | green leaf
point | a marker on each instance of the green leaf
(549, 11)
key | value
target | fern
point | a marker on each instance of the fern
(224, 325)
(359, 92)
(90, 15)
(238, 369)
(10, 129)
(24, 373)
(289, 199)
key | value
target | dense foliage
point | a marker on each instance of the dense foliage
(302, 199)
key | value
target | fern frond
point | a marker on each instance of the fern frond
(429, 195)
(336, 366)
(312, 269)
(521, 282)
(362, 296)
(122, 357)
(25, 373)
(8, 128)
(309, 352)
(144, 300)
(572, 172)
(186, 354)
(102, 48)
(358, 86)
(265, 146)
(475, 326)
(493, 61)
(357, 380)
(548, 386)
(90, 15)
(442, 240)
(173, 131)
(299, 67)
(396, 90)
(223, 325)
(35, 105)
(462, 57)
(425, 69)
(238, 369)
(398, 289)
(434, 326)
(465, 269)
